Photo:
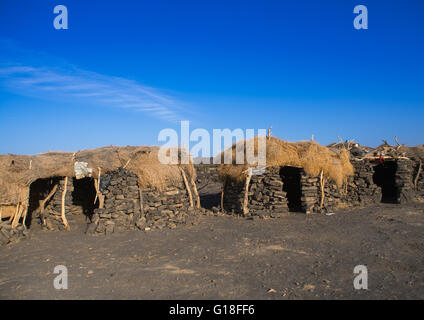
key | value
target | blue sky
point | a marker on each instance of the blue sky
(124, 70)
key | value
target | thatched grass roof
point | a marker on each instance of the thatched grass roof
(18, 172)
(310, 156)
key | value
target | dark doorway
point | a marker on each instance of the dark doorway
(384, 177)
(83, 196)
(292, 186)
(38, 191)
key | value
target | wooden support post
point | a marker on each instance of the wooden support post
(322, 184)
(196, 194)
(25, 215)
(222, 194)
(187, 186)
(141, 211)
(63, 216)
(42, 203)
(16, 212)
(246, 192)
(418, 175)
(17, 216)
(97, 190)
(141, 202)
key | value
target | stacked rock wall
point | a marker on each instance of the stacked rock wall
(127, 206)
(361, 189)
(420, 180)
(404, 181)
(266, 193)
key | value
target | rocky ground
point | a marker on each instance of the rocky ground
(296, 256)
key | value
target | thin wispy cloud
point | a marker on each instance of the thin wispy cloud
(74, 84)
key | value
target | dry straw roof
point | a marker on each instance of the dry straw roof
(18, 172)
(310, 156)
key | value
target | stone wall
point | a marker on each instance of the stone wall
(270, 192)
(266, 195)
(127, 206)
(404, 181)
(420, 182)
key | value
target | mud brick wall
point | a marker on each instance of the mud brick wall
(122, 206)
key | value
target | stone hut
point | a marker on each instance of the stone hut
(123, 186)
(300, 177)
(318, 179)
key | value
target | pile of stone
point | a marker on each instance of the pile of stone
(9, 235)
(127, 206)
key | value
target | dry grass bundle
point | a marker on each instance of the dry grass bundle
(310, 156)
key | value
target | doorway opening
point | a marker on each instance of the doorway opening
(292, 186)
(384, 177)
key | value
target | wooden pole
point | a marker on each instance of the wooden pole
(187, 186)
(418, 175)
(63, 216)
(222, 194)
(141, 211)
(246, 192)
(322, 184)
(196, 194)
(16, 212)
(141, 201)
(43, 202)
(25, 215)
(97, 190)
(17, 216)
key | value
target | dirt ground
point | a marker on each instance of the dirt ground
(297, 256)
